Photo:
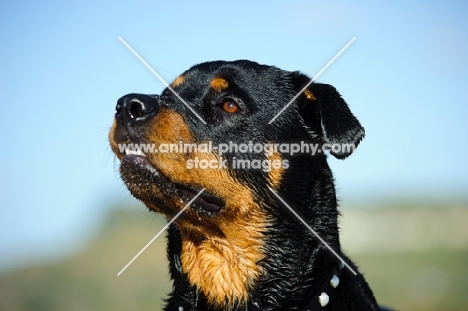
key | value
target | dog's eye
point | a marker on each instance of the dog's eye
(229, 106)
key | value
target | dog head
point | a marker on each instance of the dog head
(219, 107)
(211, 130)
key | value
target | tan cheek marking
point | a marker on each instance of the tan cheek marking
(309, 95)
(219, 84)
(169, 127)
(178, 81)
(275, 176)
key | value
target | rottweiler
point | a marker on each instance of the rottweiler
(215, 138)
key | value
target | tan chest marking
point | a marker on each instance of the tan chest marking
(225, 268)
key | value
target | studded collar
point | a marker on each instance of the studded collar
(321, 297)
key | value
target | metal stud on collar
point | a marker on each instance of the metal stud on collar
(335, 281)
(323, 299)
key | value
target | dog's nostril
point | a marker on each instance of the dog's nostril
(137, 109)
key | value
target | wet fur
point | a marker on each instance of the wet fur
(253, 254)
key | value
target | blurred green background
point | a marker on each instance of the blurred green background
(414, 256)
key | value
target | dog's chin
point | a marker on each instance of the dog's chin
(148, 184)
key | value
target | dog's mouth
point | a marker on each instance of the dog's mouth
(205, 202)
(146, 181)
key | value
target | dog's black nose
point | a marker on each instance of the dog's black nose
(136, 109)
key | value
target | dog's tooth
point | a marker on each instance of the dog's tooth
(135, 152)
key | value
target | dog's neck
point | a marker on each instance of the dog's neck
(304, 263)
(298, 262)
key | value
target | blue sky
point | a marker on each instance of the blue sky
(63, 68)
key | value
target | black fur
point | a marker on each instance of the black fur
(295, 262)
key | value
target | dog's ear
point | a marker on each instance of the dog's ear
(325, 113)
